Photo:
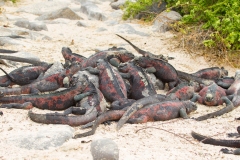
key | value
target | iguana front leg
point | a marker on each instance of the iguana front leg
(183, 113)
(125, 75)
(229, 107)
(92, 70)
(114, 62)
(79, 97)
(150, 70)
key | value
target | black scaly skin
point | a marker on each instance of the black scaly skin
(211, 95)
(211, 73)
(71, 57)
(138, 105)
(26, 74)
(162, 70)
(141, 86)
(60, 100)
(49, 118)
(234, 90)
(114, 56)
(111, 83)
(189, 77)
(216, 142)
(49, 83)
(183, 91)
(225, 82)
(229, 107)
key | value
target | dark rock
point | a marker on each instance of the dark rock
(92, 11)
(61, 13)
(104, 149)
(117, 4)
(155, 8)
(163, 20)
(44, 7)
(35, 25)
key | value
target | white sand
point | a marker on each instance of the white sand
(167, 140)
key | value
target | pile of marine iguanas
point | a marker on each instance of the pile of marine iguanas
(113, 85)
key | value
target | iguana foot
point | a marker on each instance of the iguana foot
(233, 135)
(228, 151)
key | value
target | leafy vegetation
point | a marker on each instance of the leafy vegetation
(131, 9)
(14, 1)
(214, 24)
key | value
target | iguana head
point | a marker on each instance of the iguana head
(191, 108)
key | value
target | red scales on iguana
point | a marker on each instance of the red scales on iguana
(23, 75)
(59, 100)
(141, 85)
(158, 111)
(90, 103)
(49, 83)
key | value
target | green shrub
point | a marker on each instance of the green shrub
(214, 23)
(14, 1)
(131, 9)
(222, 17)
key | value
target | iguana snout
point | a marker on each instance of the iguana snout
(209, 97)
(191, 108)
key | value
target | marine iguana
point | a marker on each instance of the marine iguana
(154, 112)
(114, 56)
(162, 70)
(229, 107)
(71, 57)
(191, 78)
(91, 97)
(49, 83)
(211, 73)
(23, 75)
(141, 86)
(224, 82)
(111, 83)
(211, 95)
(72, 120)
(183, 91)
(53, 101)
(234, 90)
(91, 100)
(138, 105)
